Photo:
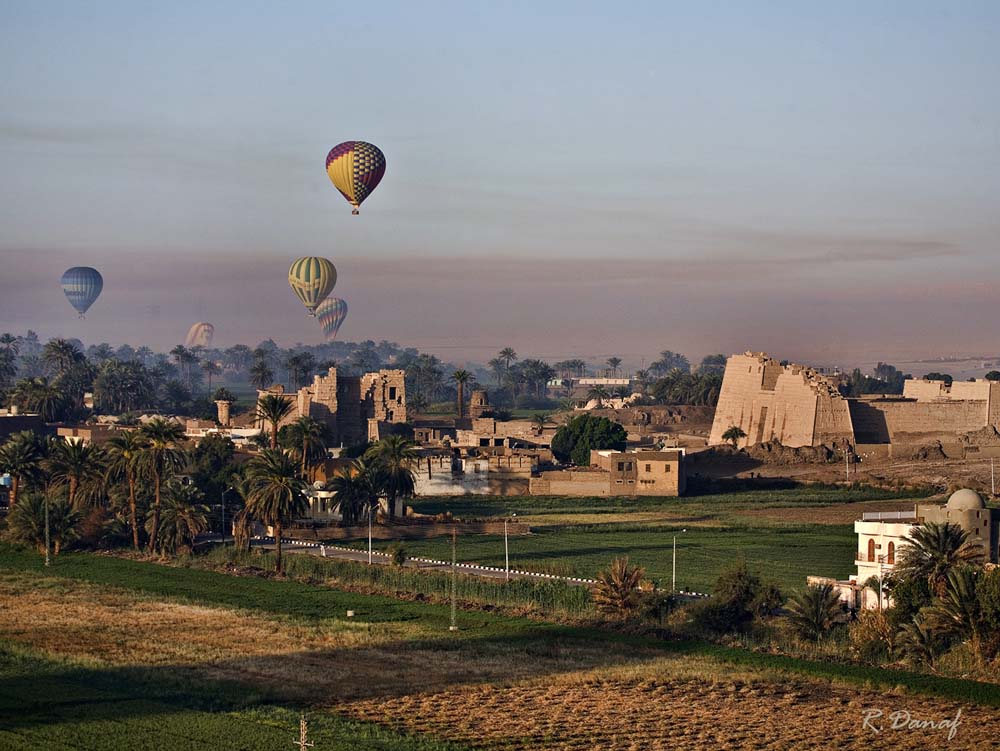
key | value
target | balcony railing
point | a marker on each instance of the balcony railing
(865, 558)
(888, 516)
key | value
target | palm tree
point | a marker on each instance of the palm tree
(599, 393)
(733, 435)
(920, 643)
(460, 378)
(160, 457)
(20, 457)
(617, 590)
(613, 364)
(308, 438)
(9, 344)
(507, 355)
(393, 458)
(958, 611)
(261, 375)
(79, 466)
(40, 396)
(932, 550)
(27, 522)
(272, 409)
(497, 367)
(210, 368)
(540, 420)
(183, 518)
(357, 491)
(124, 451)
(814, 611)
(276, 493)
(59, 355)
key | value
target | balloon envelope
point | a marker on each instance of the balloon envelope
(355, 168)
(200, 335)
(82, 285)
(312, 279)
(331, 314)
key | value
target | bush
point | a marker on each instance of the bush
(871, 637)
(397, 554)
(718, 617)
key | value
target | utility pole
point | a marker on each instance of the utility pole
(303, 741)
(993, 478)
(369, 533)
(47, 545)
(847, 462)
(454, 566)
(673, 576)
(506, 548)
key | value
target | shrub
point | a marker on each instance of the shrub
(718, 617)
(574, 441)
(617, 590)
(871, 636)
(814, 611)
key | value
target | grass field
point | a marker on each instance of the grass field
(773, 530)
(102, 653)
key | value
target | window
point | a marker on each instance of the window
(871, 551)
(392, 392)
(649, 467)
(666, 468)
(891, 558)
(628, 466)
(621, 466)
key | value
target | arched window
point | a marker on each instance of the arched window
(871, 550)
(891, 557)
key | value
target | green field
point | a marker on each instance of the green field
(580, 536)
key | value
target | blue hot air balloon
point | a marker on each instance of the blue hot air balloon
(82, 285)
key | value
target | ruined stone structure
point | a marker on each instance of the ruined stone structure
(347, 403)
(798, 406)
(479, 404)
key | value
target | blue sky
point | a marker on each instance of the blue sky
(737, 174)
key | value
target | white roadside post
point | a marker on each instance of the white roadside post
(506, 548)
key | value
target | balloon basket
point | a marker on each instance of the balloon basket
(81, 317)
(355, 212)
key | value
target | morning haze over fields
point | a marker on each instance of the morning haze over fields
(531, 375)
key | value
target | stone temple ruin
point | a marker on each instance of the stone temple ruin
(797, 406)
(352, 407)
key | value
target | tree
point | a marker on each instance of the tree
(276, 493)
(613, 364)
(958, 612)
(356, 489)
(212, 465)
(9, 344)
(733, 435)
(185, 359)
(222, 394)
(124, 451)
(79, 466)
(308, 439)
(40, 396)
(932, 550)
(507, 355)
(58, 355)
(540, 420)
(935, 376)
(670, 361)
(461, 378)
(814, 611)
(20, 457)
(598, 394)
(210, 368)
(261, 375)
(124, 386)
(272, 409)
(161, 456)
(26, 523)
(617, 591)
(183, 517)
(993, 375)
(919, 643)
(714, 364)
(576, 439)
(393, 459)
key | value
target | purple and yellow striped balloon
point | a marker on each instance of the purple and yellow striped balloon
(355, 168)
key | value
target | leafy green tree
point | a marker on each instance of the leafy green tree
(733, 435)
(919, 643)
(59, 355)
(814, 611)
(670, 361)
(993, 375)
(124, 386)
(507, 355)
(212, 465)
(617, 591)
(935, 376)
(21, 456)
(210, 368)
(222, 394)
(161, 456)
(393, 459)
(40, 396)
(574, 441)
(124, 452)
(272, 409)
(933, 550)
(276, 493)
(357, 489)
(958, 612)
(712, 364)
(183, 517)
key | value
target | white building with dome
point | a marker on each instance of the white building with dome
(881, 538)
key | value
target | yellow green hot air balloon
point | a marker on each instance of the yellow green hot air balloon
(312, 279)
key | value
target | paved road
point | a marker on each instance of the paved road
(349, 554)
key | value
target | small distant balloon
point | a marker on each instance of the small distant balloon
(200, 335)
(355, 168)
(331, 314)
(312, 279)
(82, 286)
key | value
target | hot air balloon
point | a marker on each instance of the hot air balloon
(312, 279)
(200, 335)
(355, 167)
(82, 285)
(331, 314)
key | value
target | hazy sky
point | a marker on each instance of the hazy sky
(817, 180)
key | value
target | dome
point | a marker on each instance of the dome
(965, 500)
